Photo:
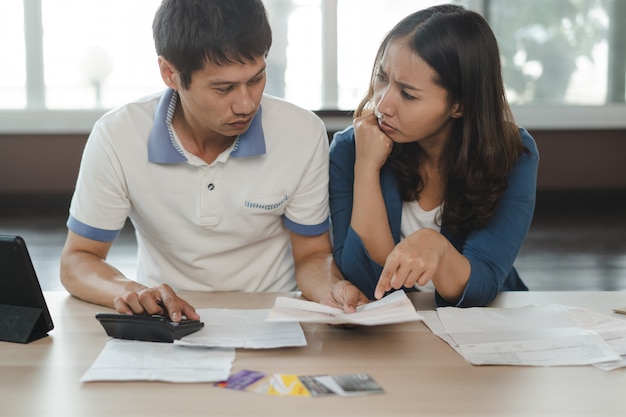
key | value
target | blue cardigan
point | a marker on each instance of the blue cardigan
(491, 250)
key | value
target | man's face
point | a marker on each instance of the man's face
(222, 100)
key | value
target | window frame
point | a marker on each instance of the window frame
(21, 121)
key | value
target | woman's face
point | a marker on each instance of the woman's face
(409, 105)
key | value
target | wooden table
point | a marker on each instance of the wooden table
(420, 373)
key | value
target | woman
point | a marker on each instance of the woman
(433, 187)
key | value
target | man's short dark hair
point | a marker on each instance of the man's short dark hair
(188, 33)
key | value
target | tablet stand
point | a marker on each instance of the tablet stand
(19, 324)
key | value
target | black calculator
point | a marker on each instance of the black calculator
(147, 328)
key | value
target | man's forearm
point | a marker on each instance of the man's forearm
(317, 275)
(92, 279)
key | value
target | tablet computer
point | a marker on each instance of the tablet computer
(24, 314)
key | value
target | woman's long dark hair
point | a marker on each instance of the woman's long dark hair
(485, 143)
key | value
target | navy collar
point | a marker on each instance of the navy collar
(164, 149)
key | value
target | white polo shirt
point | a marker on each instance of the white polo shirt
(200, 227)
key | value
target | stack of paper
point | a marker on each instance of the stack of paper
(394, 308)
(204, 356)
(132, 360)
(547, 335)
(243, 329)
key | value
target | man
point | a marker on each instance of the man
(226, 187)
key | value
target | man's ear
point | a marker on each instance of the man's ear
(169, 74)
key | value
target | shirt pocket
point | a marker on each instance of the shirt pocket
(274, 204)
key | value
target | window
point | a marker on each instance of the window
(98, 53)
(563, 60)
(12, 56)
(561, 55)
(327, 48)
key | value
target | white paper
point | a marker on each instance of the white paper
(431, 320)
(576, 349)
(394, 308)
(243, 329)
(611, 328)
(611, 365)
(534, 335)
(488, 319)
(132, 360)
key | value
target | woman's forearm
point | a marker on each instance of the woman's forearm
(369, 214)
